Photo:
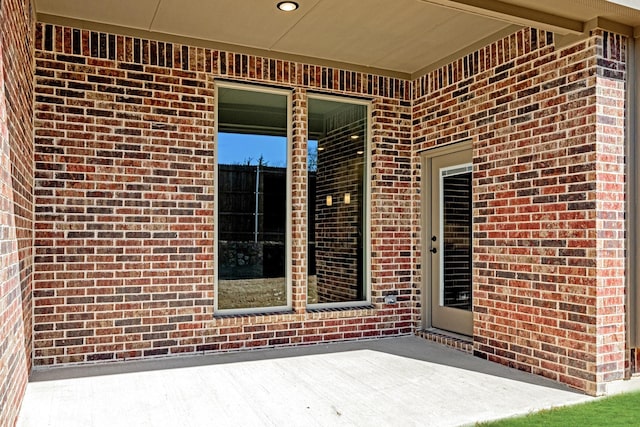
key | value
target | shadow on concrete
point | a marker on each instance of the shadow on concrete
(405, 346)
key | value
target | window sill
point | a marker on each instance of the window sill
(341, 308)
(255, 314)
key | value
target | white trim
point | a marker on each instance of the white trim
(455, 170)
(288, 282)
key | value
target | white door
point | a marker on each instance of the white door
(449, 241)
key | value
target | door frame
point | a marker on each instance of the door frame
(425, 220)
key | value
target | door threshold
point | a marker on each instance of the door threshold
(450, 339)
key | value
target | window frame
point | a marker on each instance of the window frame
(288, 211)
(366, 227)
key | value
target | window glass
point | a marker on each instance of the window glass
(252, 200)
(336, 201)
(456, 217)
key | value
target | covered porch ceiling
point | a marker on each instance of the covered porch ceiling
(402, 38)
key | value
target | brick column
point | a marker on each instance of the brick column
(299, 202)
(392, 220)
(611, 315)
(16, 204)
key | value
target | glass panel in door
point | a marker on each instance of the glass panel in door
(456, 238)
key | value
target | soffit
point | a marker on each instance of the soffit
(586, 10)
(394, 37)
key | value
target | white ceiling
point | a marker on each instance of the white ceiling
(395, 36)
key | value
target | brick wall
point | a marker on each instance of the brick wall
(547, 127)
(124, 193)
(16, 207)
(392, 207)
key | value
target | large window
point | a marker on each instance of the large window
(252, 200)
(337, 200)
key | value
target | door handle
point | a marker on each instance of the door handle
(433, 250)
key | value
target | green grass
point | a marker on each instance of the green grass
(620, 410)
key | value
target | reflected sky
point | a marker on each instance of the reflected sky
(246, 149)
(242, 149)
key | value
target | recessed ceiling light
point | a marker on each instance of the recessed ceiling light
(287, 6)
(354, 137)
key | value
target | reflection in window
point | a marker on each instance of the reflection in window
(336, 201)
(252, 200)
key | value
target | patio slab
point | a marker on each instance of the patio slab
(403, 381)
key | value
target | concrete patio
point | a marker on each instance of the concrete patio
(396, 381)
